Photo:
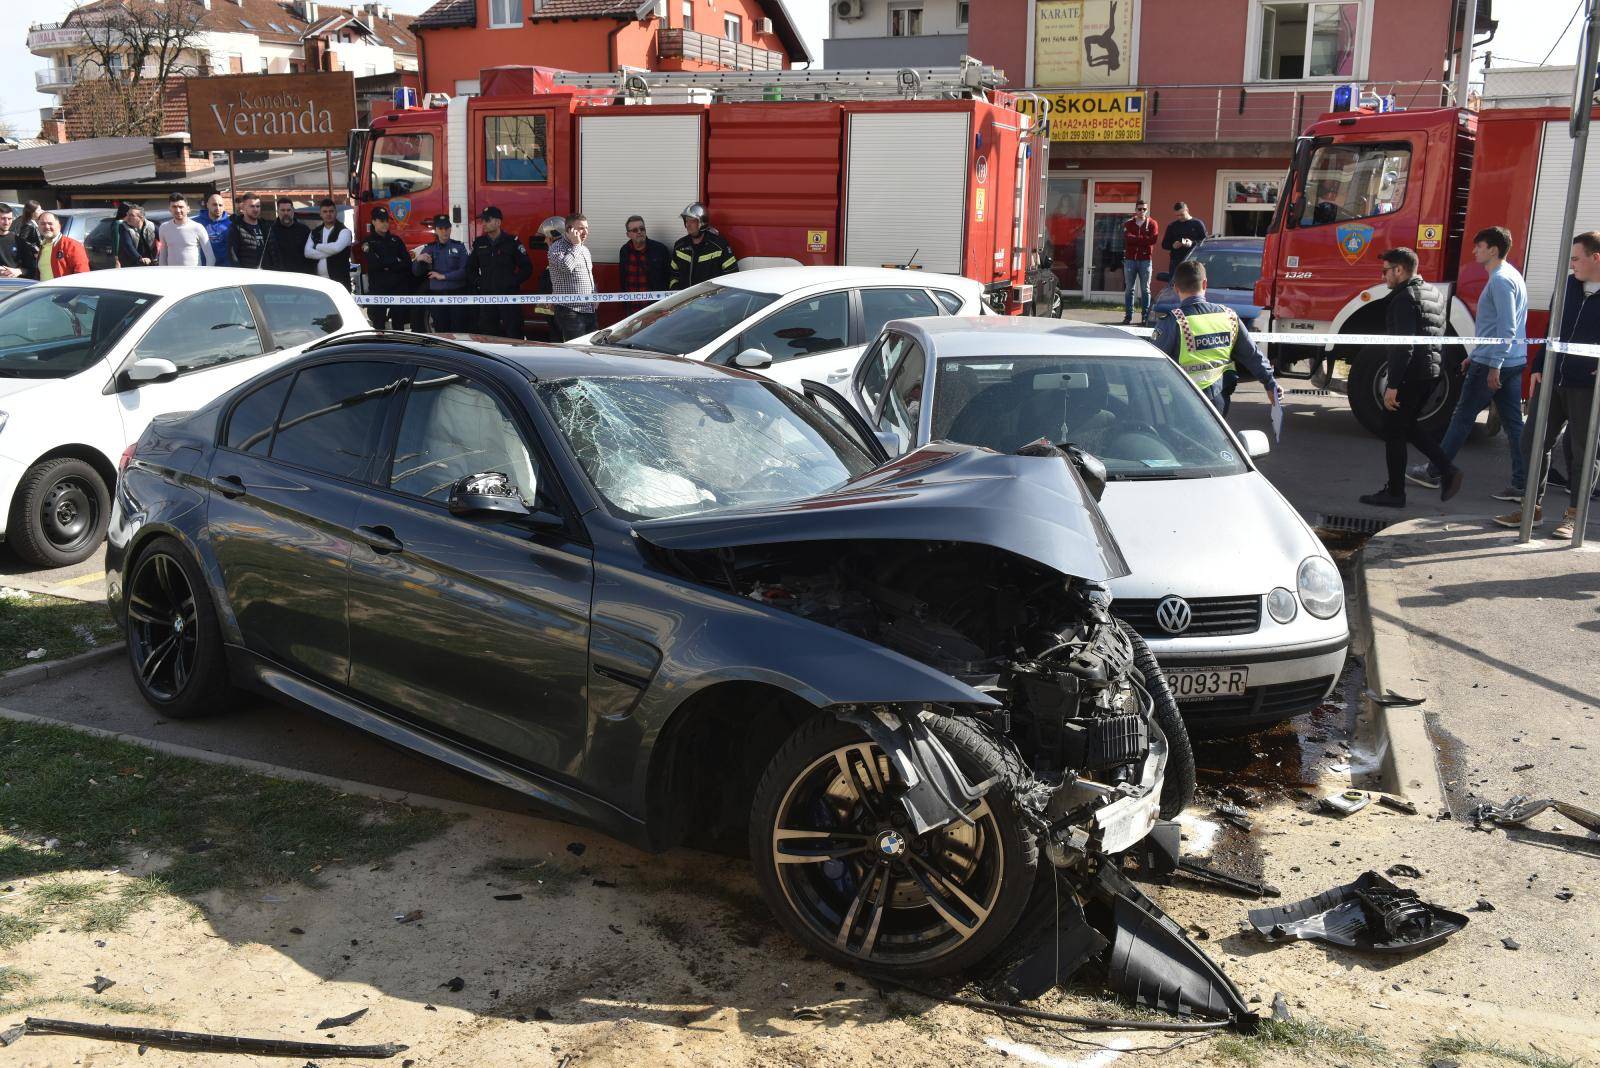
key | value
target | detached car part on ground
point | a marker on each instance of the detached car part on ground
(675, 601)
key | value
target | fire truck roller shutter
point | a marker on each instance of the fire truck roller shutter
(455, 132)
(907, 190)
(614, 152)
(1545, 237)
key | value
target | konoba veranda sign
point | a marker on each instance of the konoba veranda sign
(271, 110)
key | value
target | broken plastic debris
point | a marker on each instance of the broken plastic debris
(806, 1012)
(1346, 802)
(1519, 810)
(1236, 816)
(33, 654)
(1371, 914)
(410, 917)
(1510, 943)
(198, 1041)
(11, 1034)
(101, 984)
(341, 1021)
(1399, 804)
(1196, 869)
(1483, 905)
(1280, 1007)
(508, 897)
(1403, 871)
(454, 985)
(576, 848)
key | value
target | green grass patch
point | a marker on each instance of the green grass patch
(60, 627)
(72, 802)
(1314, 1040)
(13, 980)
(82, 1001)
(1461, 1046)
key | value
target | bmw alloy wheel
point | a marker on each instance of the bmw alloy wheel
(163, 631)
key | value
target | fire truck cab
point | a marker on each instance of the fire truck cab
(934, 170)
(1428, 180)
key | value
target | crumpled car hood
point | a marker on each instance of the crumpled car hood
(1035, 507)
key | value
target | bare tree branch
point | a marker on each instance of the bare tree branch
(133, 52)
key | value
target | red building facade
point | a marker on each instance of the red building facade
(1198, 101)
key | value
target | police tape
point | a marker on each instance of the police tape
(1568, 347)
(462, 299)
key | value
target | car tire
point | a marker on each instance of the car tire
(891, 926)
(174, 643)
(1368, 379)
(60, 513)
(1177, 789)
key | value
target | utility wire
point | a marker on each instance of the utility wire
(1559, 39)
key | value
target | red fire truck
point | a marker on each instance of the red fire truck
(934, 169)
(1429, 179)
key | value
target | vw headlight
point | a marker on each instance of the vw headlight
(1281, 605)
(1321, 591)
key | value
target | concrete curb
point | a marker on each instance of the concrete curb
(347, 786)
(17, 678)
(27, 585)
(1408, 761)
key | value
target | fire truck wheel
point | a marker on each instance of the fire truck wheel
(1369, 377)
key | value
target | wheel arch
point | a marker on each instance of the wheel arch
(103, 466)
(735, 724)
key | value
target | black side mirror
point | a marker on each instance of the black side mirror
(486, 493)
(1090, 469)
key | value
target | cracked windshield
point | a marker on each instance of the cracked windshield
(657, 447)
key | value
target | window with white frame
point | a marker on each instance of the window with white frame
(505, 14)
(688, 14)
(1308, 39)
(733, 28)
(1245, 202)
(905, 20)
(963, 13)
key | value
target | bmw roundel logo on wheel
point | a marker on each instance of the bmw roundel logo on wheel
(1173, 614)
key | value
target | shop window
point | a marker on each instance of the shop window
(514, 149)
(1247, 203)
(1300, 39)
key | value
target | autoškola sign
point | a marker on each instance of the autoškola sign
(271, 110)
(1101, 115)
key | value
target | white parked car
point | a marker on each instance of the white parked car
(1237, 597)
(87, 361)
(791, 323)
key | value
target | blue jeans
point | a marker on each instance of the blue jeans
(1475, 397)
(1137, 276)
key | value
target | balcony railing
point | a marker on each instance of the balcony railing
(43, 36)
(54, 78)
(1253, 112)
(704, 48)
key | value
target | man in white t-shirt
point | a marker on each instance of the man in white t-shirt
(184, 242)
(329, 244)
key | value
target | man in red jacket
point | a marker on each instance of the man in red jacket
(61, 255)
(1139, 235)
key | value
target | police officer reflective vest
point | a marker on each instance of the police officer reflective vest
(1205, 344)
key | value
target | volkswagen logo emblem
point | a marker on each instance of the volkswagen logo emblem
(1173, 614)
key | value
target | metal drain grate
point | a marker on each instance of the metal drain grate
(1350, 524)
(1309, 392)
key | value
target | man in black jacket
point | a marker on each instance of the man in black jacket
(1574, 384)
(386, 262)
(644, 263)
(10, 263)
(701, 253)
(247, 237)
(498, 264)
(1412, 309)
(286, 242)
(1182, 235)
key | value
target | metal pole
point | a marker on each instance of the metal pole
(1582, 91)
(1469, 30)
(233, 185)
(327, 155)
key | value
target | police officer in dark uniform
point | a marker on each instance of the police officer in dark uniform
(386, 262)
(498, 264)
(701, 253)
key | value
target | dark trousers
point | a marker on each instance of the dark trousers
(501, 320)
(1569, 408)
(571, 323)
(449, 318)
(387, 316)
(1400, 428)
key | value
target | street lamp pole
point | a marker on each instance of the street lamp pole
(1578, 130)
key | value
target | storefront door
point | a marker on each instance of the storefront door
(1084, 217)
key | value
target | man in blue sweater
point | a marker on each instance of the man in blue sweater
(1494, 371)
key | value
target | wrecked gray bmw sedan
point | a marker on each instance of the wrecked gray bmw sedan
(678, 602)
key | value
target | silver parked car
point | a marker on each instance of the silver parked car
(1237, 597)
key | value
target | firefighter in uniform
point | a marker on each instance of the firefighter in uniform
(499, 264)
(701, 253)
(1206, 339)
(386, 262)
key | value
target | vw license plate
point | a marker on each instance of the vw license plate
(1195, 684)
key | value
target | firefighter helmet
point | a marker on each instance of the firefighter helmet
(553, 227)
(697, 212)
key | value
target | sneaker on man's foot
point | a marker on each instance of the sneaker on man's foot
(1419, 475)
(1385, 499)
(1510, 493)
(1126, 321)
(1564, 528)
(1450, 484)
(1514, 519)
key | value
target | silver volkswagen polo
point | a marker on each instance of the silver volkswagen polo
(1236, 595)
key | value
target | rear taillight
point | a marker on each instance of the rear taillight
(127, 456)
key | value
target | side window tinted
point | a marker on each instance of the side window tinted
(513, 148)
(451, 429)
(250, 425)
(331, 420)
(951, 301)
(296, 316)
(804, 328)
(878, 306)
(903, 406)
(1349, 181)
(880, 358)
(402, 164)
(205, 330)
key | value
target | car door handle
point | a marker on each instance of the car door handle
(838, 374)
(380, 540)
(230, 486)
